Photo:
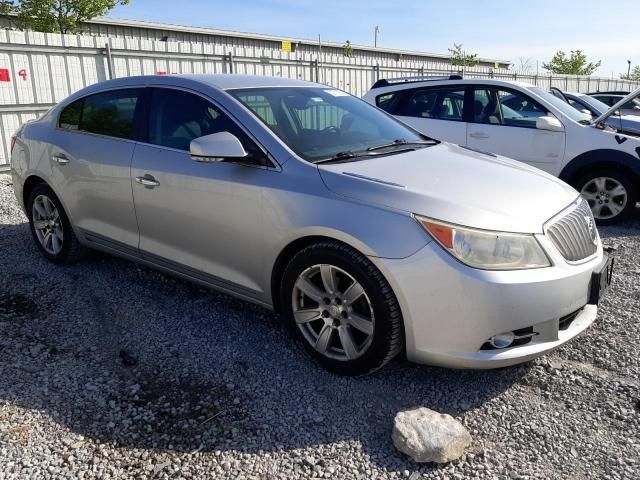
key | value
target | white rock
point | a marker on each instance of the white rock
(428, 436)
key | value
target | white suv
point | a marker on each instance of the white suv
(526, 123)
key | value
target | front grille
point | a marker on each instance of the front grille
(574, 234)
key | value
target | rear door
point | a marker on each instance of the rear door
(90, 152)
(434, 111)
(504, 122)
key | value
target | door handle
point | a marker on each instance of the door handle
(478, 135)
(60, 159)
(148, 181)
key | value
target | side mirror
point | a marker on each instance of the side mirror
(216, 147)
(551, 124)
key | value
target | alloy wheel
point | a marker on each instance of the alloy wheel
(607, 197)
(333, 312)
(47, 224)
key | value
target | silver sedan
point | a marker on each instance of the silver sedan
(368, 237)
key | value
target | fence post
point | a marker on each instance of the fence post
(228, 63)
(107, 47)
(566, 82)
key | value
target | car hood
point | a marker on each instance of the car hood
(612, 110)
(454, 184)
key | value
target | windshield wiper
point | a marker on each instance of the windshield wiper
(344, 156)
(401, 141)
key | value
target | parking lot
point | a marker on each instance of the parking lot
(116, 371)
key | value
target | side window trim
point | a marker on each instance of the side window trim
(144, 137)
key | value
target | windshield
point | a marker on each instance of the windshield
(321, 123)
(564, 107)
(635, 103)
(594, 103)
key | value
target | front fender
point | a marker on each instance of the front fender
(602, 157)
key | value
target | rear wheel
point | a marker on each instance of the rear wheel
(341, 308)
(51, 228)
(612, 196)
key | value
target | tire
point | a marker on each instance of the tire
(607, 209)
(368, 323)
(57, 242)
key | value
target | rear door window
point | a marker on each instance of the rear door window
(390, 102)
(436, 103)
(110, 113)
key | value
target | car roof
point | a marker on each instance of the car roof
(231, 81)
(217, 81)
(399, 85)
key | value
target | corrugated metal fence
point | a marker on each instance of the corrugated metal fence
(38, 70)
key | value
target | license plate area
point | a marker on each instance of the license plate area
(601, 280)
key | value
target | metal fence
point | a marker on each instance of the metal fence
(37, 70)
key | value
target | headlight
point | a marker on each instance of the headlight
(486, 249)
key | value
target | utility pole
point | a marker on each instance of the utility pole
(629, 69)
(375, 36)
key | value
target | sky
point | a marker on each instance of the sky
(530, 30)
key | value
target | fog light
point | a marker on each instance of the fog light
(502, 340)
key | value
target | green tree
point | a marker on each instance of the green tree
(575, 64)
(461, 58)
(61, 16)
(634, 75)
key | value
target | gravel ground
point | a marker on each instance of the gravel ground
(110, 370)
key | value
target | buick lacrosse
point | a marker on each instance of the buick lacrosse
(368, 237)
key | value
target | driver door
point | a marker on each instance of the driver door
(504, 122)
(199, 219)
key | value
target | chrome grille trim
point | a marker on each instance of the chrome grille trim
(570, 233)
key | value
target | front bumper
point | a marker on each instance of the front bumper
(451, 310)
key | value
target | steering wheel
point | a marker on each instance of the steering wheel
(332, 129)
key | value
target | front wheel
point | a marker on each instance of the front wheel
(612, 196)
(341, 308)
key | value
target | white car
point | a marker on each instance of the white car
(526, 123)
